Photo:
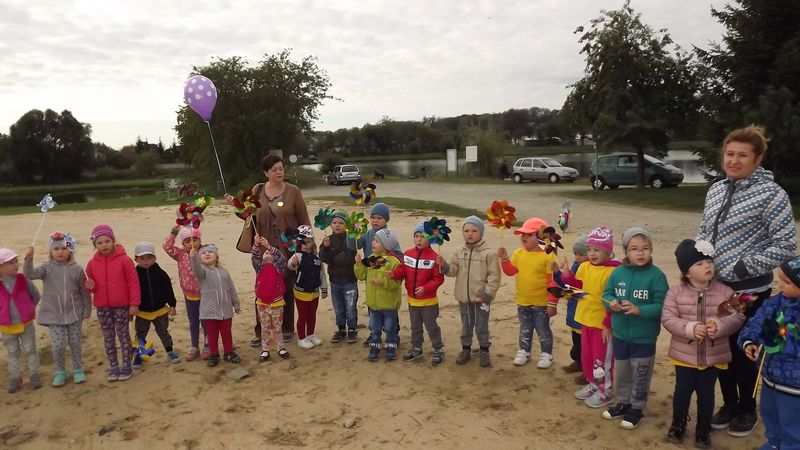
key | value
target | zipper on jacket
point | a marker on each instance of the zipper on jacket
(723, 212)
(416, 265)
(469, 272)
(149, 286)
(701, 317)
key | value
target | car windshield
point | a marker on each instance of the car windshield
(349, 169)
(652, 160)
(551, 162)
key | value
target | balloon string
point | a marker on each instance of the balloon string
(760, 366)
(214, 146)
(36, 236)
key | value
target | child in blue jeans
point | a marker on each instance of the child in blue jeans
(344, 290)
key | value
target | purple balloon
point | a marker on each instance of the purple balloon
(201, 95)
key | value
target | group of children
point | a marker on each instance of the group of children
(615, 309)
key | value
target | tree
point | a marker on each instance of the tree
(635, 91)
(267, 106)
(49, 147)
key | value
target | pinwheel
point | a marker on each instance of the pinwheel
(501, 215)
(356, 225)
(66, 238)
(374, 261)
(550, 241)
(778, 333)
(436, 231)
(142, 352)
(44, 204)
(362, 192)
(189, 215)
(324, 218)
(245, 203)
(291, 239)
(204, 201)
(737, 302)
(188, 190)
(567, 292)
(563, 218)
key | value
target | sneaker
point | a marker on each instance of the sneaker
(264, 356)
(36, 381)
(573, 367)
(315, 340)
(305, 343)
(722, 418)
(437, 359)
(545, 361)
(373, 354)
(391, 354)
(352, 336)
(125, 373)
(678, 428)
(113, 374)
(283, 353)
(338, 336)
(137, 364)
(485, 361)
(585, 392)
(598, 400)
(741, 425)
(232, 357)
(632, 419)
(59, 379)
(464, 356)
(192, 354)
(255, 342)
(173, 357)
(522, 358)
(287, 337)
(617, 411)
(413, 354)
(206, 353)
(78, 376)
(212, 360)
(14, 385)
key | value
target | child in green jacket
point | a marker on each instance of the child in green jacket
(634, 295)
(383, 293)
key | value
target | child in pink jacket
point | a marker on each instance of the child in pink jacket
(112, 279)
(699, 346)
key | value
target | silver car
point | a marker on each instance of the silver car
(536, 169)
(343, 174)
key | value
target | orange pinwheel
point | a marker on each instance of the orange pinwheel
(501, 215)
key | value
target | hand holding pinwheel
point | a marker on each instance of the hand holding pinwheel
(356, 225)
(778, 333)
(324, 218)
(436, 231)
(362, 192)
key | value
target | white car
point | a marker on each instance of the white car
(536, 169)
(344, 174)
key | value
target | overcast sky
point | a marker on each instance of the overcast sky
(121, 65)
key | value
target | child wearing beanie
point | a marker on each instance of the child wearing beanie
(422, 279)
(114, 285)
(635, 292)
(477, 272)
(335, 253)
(780, 393)
(699, 346)
(579, 254)
(596, 347)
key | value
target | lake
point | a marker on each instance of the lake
(31, 199)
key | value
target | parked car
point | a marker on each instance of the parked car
(622, 168)
(535, 169)
(344, 174)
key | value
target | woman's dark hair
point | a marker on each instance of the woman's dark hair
(269, 161)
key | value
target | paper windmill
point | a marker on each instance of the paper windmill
(738, 302)
(550, 241)
(567, 291)
(189, 215)
(501, 215)
(69, 242)
(779, 332)
(142, 352)
(436, 231)
(563, 218)
(291, 239)
(203, 202)
(374, 261)
(356, 225)
(362, 192)
(245, 203)
(324, 218)
(46, 203)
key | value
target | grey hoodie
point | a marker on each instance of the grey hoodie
(64, 299)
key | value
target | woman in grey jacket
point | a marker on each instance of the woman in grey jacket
(748, 219)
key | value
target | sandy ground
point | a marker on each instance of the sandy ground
(332, 396)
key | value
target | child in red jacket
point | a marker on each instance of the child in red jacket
(269, 264)
(423, 278)
(112, 279)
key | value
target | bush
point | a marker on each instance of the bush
(490, 151)
(146, 165)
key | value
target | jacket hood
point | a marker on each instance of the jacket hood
(760, 175)
(478, 244)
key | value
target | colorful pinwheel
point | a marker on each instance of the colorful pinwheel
(779, 332)
(324, 218)
(738, 302)
(245, 203)
(362, 192)
(563, 218)
(567, 292)
(436, 231)
(204, 201)
(142, 352)
(501, 215)
(189, 215)
(66, 238)
(374, 261)
(291, 239)
(550, 241)
(356, 225)
(46, 203)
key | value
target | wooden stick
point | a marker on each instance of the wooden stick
(36, 236)
(760, 366)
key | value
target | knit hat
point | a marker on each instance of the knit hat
(791, 269)
(209, 248)
(474, 220)
(690, 251)
(388, 238)
(532, 226)
(579, 247)
(380, 209)
(340, 214)
(189, 232)
(306, 231)
(59, 239)
(6, 255)
(634, 231)
(102, 230)
(144, 248)
(420, 228)
(602, 238)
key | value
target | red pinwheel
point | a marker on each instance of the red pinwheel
(245, 203)
(501, 215)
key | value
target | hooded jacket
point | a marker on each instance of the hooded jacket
(387, 295)
(781, 369)
(477, 270)
(115, 281)
(218, 297)
(188, 282)
(751, 226)
(64, 297)
(644, 287)
(270, 286)
(685, 307)
(156, 288)
(419, 269)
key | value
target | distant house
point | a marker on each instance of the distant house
(584, 139)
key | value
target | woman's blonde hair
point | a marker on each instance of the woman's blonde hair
(753, 134)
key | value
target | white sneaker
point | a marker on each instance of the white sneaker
(585, 392)
(522, 358)
(314, 340)
(305, 344)
(545, 361)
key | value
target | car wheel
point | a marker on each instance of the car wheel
(657, 182)
(613, 186)
(553, 178)
(517, 178)
(598, 183)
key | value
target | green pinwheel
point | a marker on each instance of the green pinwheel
(436, 231)
(779, 332)
(324, 218)
(356, 225)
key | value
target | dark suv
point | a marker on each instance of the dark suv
(622, 168)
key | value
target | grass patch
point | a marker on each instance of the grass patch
(140, 201)
(442, 208)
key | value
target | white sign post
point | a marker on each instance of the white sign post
(452, 160)
(472, 153)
